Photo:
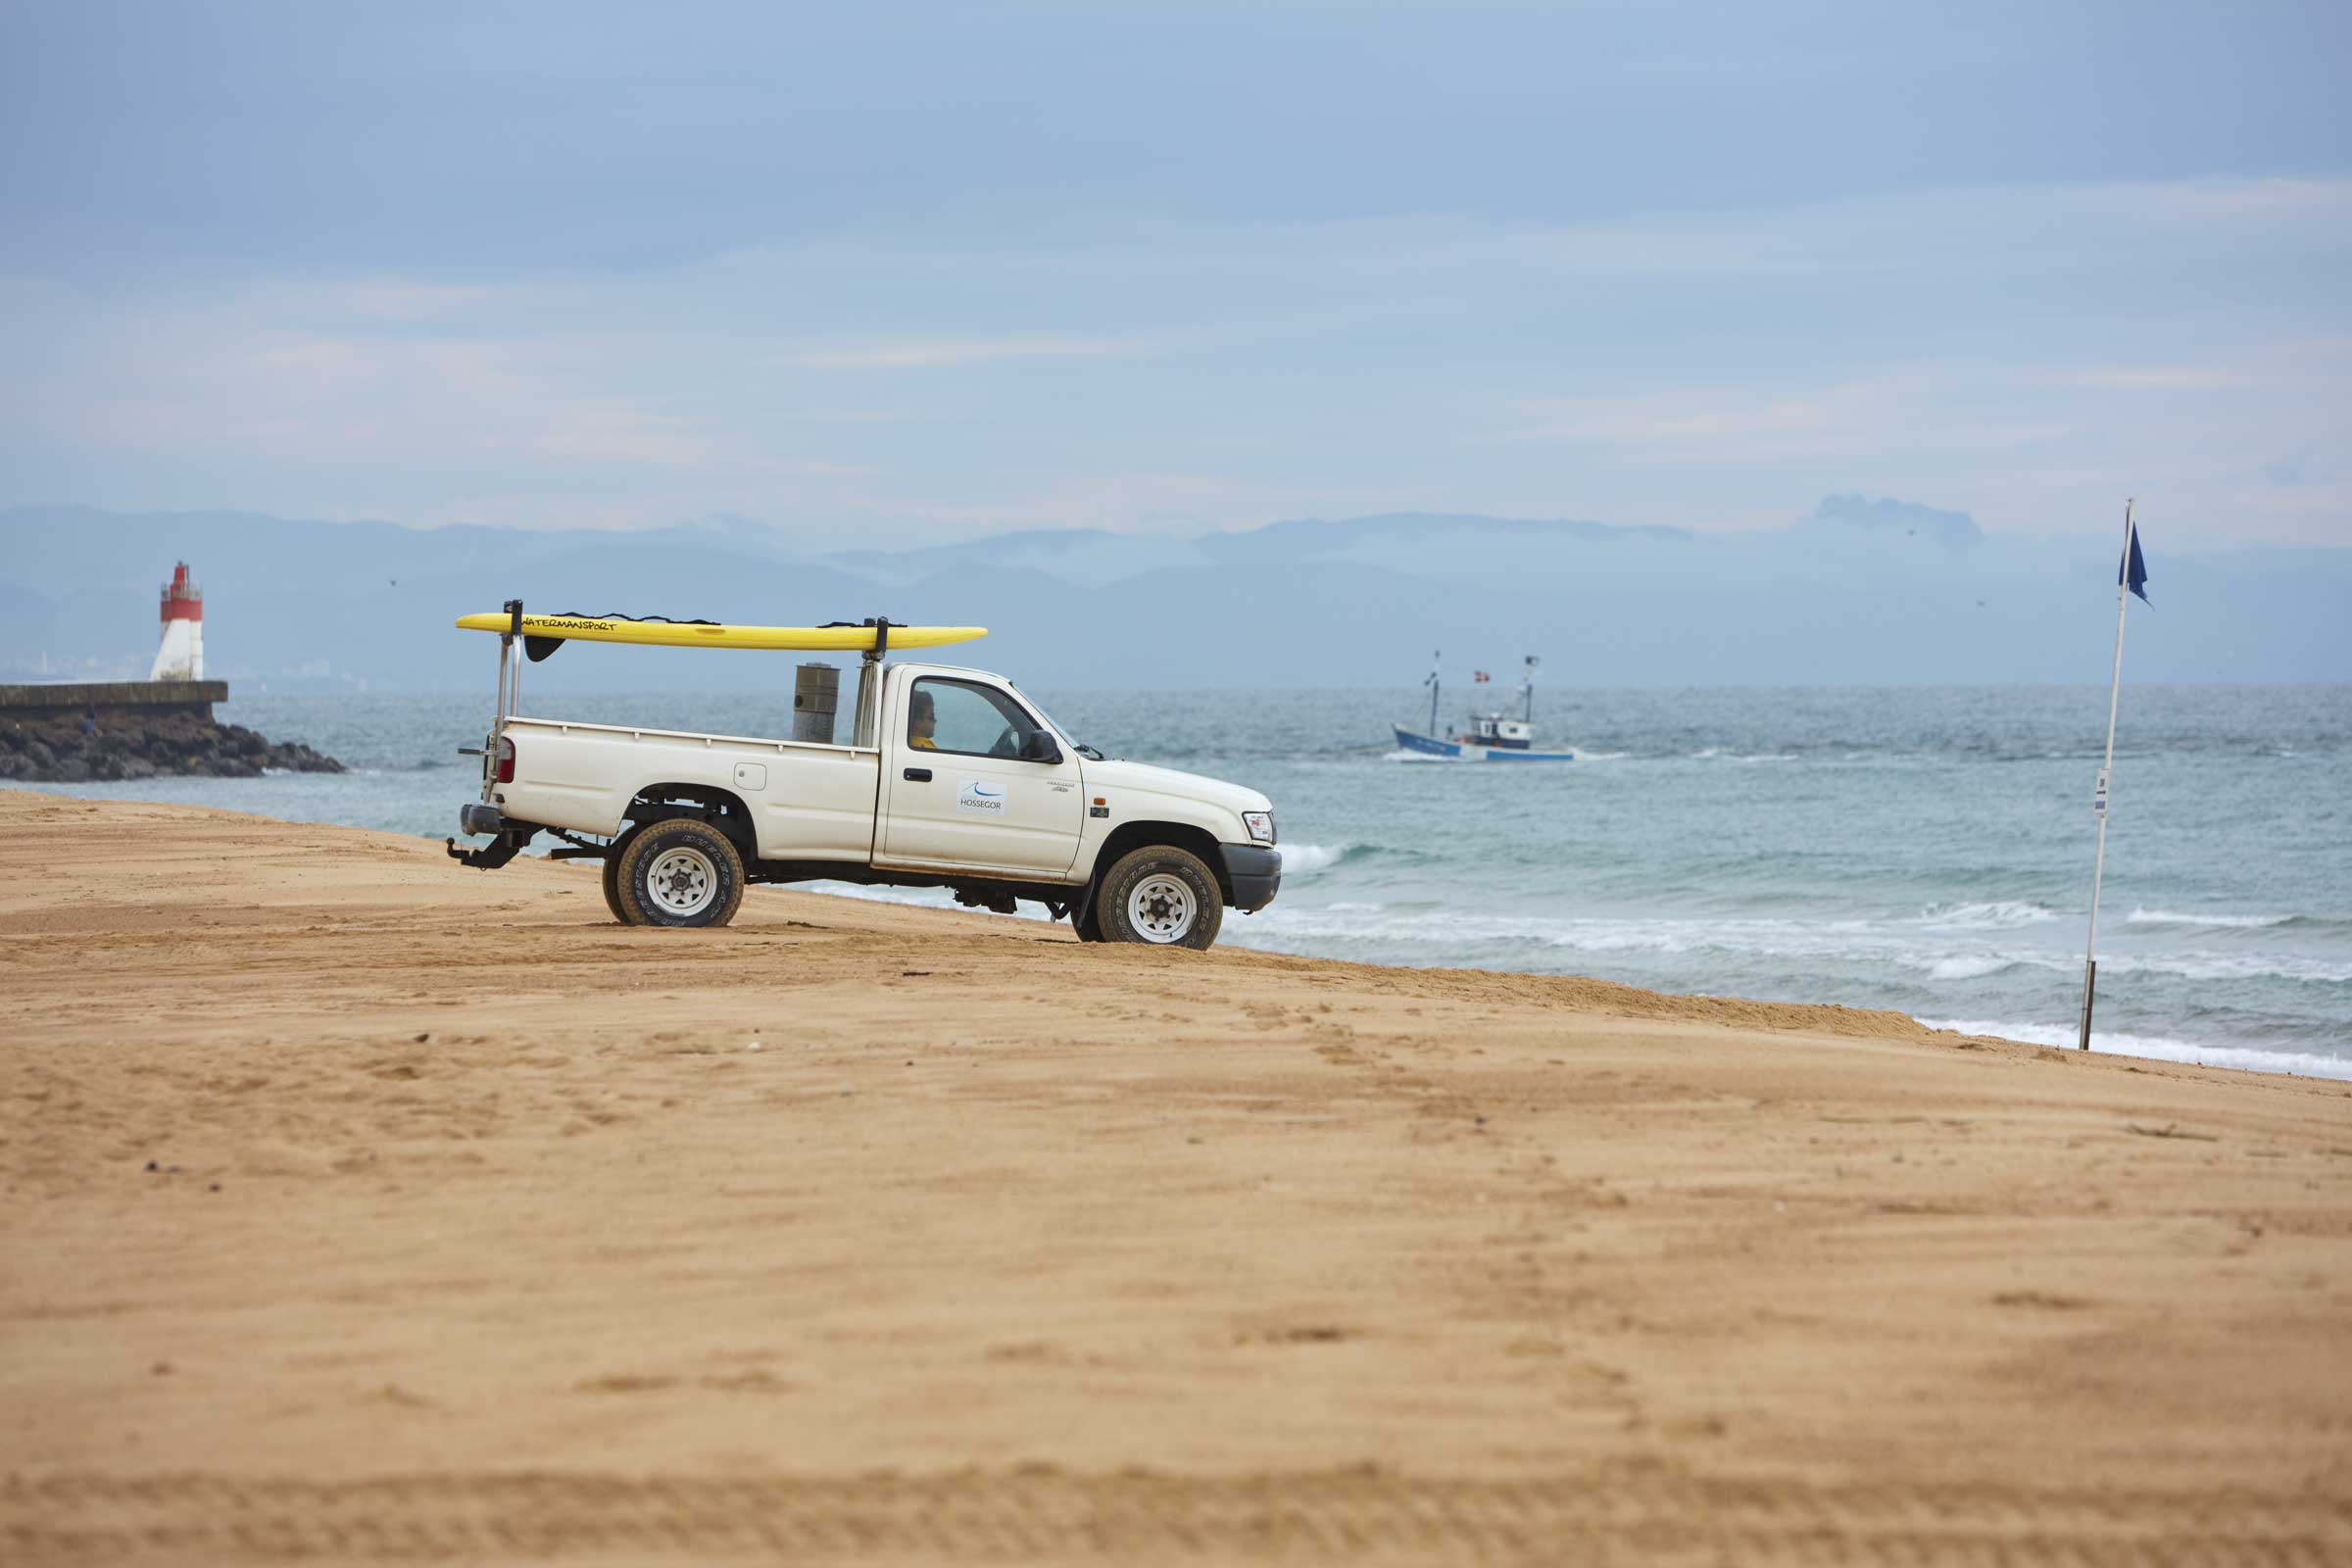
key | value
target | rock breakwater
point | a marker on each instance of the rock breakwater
(82, 747)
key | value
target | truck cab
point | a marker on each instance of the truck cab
(952, 778)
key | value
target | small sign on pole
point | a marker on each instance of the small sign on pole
(2131, 577)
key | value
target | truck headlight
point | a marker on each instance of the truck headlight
(1261, 826)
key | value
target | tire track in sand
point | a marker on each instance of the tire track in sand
(1632, 1513)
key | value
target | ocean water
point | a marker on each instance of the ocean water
(1921, 849)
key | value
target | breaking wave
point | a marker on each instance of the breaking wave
(1424, 933)
(1304, 859)
(2240, 922)
(1968, 969)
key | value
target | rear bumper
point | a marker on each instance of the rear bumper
(1254, 876)
(473, 818)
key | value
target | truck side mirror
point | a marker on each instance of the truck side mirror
(1037, 746)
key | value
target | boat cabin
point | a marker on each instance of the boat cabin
(1492, 729)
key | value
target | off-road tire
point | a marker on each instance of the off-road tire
(611, 875)
(699, 872)
(1181, 905)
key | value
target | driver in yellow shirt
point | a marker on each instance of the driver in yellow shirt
(921, 721)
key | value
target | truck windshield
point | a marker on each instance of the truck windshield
(1063, 730)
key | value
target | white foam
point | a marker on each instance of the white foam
(1995, 916)
(1707, 753)
(2157, 1047)
(2243, 922)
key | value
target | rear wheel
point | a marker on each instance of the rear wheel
(679, 872)
(611, 878)
(1162, 896)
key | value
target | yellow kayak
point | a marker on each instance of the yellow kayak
(713, 634)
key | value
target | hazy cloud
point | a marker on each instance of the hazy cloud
(936, 353)
(2156, 378)
(1956, 530)
(857, 277)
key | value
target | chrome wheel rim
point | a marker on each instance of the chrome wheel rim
(682, 881)
(1161, 908)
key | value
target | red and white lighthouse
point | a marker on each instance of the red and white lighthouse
(181, 656)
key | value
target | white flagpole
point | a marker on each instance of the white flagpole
(2114, 686)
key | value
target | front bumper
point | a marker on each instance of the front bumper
(1252, 874)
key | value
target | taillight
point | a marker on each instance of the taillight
(506, 760)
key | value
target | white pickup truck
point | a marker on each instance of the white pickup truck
(952, 779)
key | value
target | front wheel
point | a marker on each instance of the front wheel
(1160, 895)
(680, 872)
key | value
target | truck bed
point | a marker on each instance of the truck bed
(810, 800)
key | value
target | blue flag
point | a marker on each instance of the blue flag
(2134, 571)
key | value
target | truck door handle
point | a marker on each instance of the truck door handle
(917, 775)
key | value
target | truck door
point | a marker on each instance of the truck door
(974, 779)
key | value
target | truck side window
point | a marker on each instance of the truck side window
(954, 715)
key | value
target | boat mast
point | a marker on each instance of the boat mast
(1528, 687)
(1432, 684)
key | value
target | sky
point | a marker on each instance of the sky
(890, 275)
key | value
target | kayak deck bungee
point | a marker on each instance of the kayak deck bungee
(542, 634)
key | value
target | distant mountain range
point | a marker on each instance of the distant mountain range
(1862, 592)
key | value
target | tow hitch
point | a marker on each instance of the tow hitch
(497, 853)
(508, 843)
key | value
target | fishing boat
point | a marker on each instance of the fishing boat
(1488, 737)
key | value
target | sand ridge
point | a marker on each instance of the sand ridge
(360, 1205)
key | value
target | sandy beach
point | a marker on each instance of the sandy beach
(361, 1207)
